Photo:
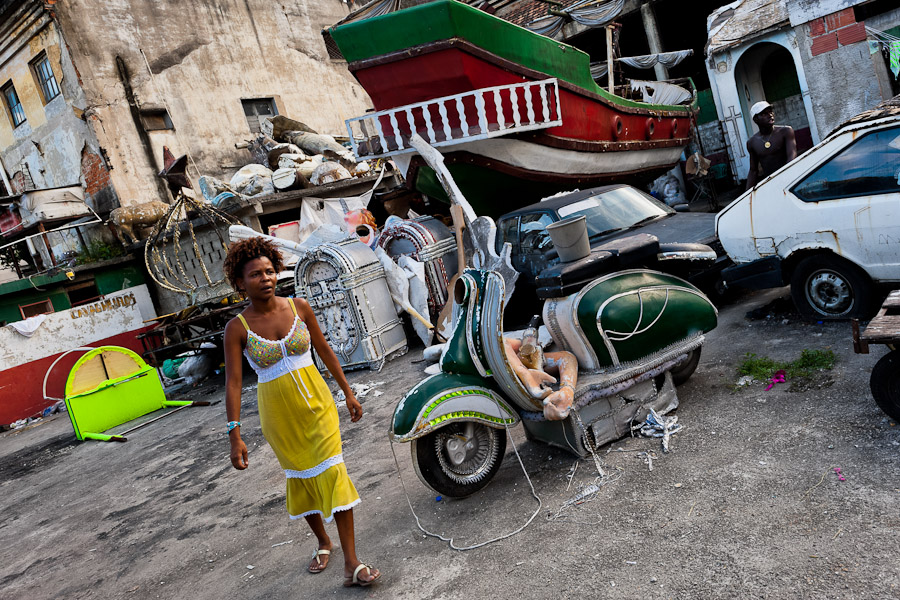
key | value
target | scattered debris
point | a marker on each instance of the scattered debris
(777, 378)
(360, 390)
(837, 471)
(780, 307)
(282, 543)
(648, 456)
(656, 426)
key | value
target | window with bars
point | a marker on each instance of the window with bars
(16, 112)
(43, 75)
(257, 109)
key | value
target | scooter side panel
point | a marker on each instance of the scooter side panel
(632, 314)
(464, 354)
(446, 397)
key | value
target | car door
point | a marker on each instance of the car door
(855, 195)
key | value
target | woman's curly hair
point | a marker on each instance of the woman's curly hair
(242, 252)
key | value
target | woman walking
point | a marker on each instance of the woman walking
(296, 410)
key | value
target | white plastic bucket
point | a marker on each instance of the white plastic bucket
(570, 238)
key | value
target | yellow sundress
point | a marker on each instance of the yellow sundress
(300, 421)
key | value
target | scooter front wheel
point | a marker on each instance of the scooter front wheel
(460, 458)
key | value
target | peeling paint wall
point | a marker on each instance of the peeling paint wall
(204, 56)
(45, 151)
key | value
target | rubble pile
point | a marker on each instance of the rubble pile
(287, 155)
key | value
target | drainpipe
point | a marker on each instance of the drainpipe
(649, 19)
(125, 78)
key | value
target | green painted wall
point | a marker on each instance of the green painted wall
(9, 304)
(118, 278)
(24, 291)
(707, 106)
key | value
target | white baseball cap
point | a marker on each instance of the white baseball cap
(758, 108)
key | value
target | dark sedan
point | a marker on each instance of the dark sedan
(613, 212)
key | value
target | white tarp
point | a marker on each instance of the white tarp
(660, 92)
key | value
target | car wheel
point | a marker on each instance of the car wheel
(885, 384)
(828, 287)
(683, 370)
(459, 459)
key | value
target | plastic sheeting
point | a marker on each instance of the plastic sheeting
(660, 92)
(590, 13)
(645, 61)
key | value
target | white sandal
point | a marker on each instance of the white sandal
(350, 582)
(318, 561)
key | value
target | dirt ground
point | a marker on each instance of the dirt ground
(747, 504)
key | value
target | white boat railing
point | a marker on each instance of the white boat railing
(467, 117)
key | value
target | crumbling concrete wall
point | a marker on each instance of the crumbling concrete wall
(843, 75)
(198, 60)
(46, 150)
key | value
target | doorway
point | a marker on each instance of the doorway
(767, 72)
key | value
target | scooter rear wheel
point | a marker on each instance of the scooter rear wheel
(460, 458)
(683, 370)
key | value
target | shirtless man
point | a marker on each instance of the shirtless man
(771, 148)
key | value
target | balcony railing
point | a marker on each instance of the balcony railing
(467, 117)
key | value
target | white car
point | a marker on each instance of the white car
(828, 223)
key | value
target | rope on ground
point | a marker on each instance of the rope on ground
(806, 493)
(486, 542)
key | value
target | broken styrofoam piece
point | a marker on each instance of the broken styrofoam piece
(433, 369)
(290, 160)
(418, 294)
(253, 180)
(308, 167)
(248, 171)
(360, 390)
(398, 285)
(286, 247)
(210, 187)
(433, 354)
(288, 179)
(360, 168)
(328, 232)
(329, 172)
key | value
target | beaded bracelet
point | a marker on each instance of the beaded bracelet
(232, 424)
(567, 385)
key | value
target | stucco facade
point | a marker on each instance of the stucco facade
(137, 76)
(50, 146)
(197, 61)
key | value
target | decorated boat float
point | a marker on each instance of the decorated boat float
(517, 115)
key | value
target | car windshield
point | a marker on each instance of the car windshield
(615, 209)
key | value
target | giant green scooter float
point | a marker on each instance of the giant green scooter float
(635, 332)
(630, 330)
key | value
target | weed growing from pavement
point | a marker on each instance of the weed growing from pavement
(811, 362)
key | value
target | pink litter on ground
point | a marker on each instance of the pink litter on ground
(777, 378)
(837, 471)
